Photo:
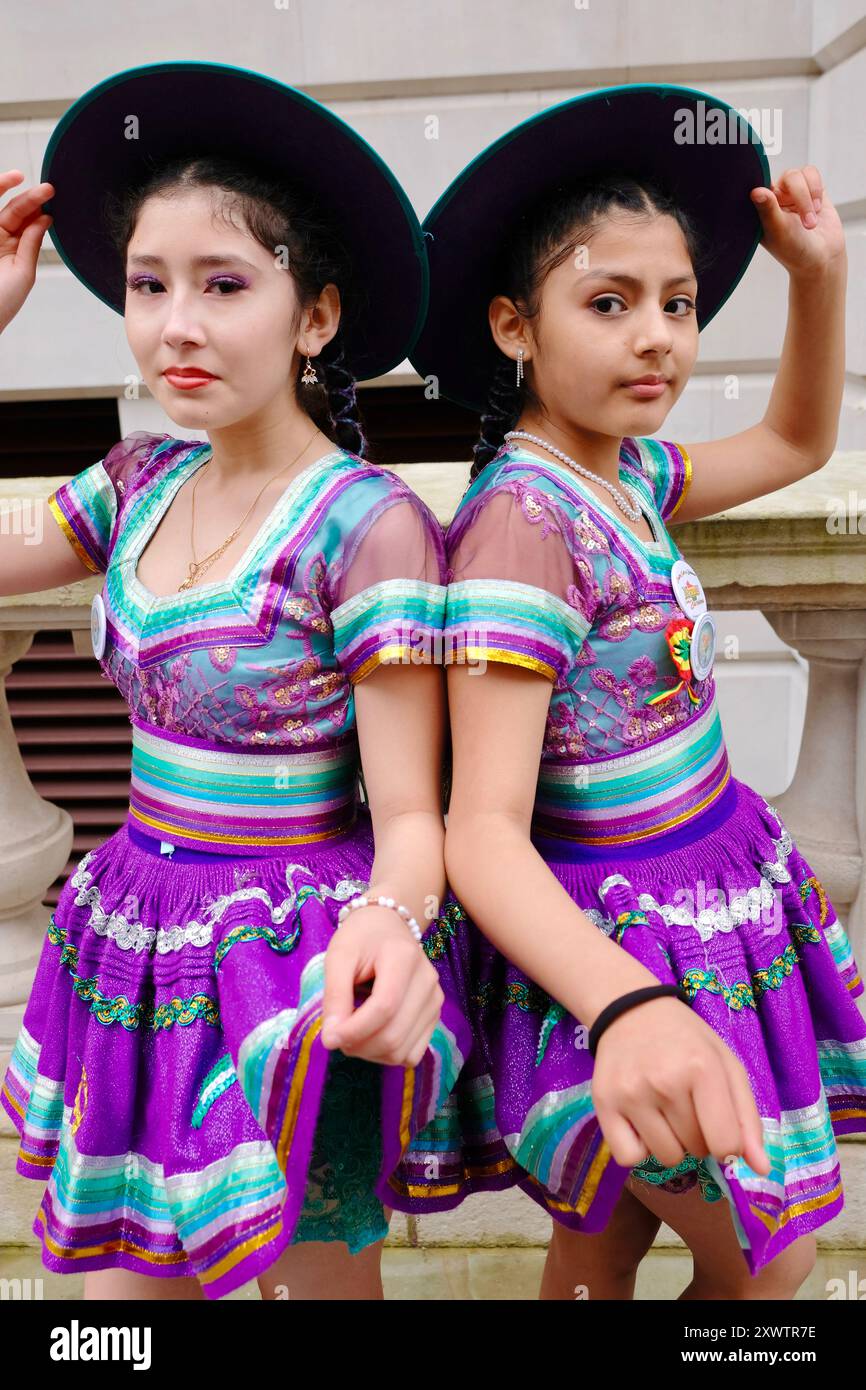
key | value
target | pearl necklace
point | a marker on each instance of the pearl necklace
(632, 511)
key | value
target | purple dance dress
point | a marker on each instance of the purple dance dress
(169, 1082)
(639, 817)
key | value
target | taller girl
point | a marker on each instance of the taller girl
(595, 831)
(193, 1077)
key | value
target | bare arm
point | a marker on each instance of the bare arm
(34, 552)
(799, 430)
(492, 865)
(400, 714)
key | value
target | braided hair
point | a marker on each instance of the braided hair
(540, 241)
(280, 217)
(338, 417)
(504, 404)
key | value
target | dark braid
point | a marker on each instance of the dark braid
(285, 221)
(342, 400)
(503, 408)
(541, 240)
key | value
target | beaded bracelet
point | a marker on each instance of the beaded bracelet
(382, 902)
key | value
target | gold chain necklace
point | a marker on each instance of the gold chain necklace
(199, 567)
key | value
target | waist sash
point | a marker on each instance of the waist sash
(634, 796)
(206, 796)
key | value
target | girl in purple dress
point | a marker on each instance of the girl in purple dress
(665, 1005)
(232, 1034)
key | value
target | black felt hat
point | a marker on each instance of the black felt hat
(192, 108)
(700, 150)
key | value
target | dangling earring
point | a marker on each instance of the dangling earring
(309, 378)
(519, 366)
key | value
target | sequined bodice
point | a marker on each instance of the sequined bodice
(267, 655)
(590, 601)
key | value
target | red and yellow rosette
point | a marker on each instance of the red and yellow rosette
(678, 635)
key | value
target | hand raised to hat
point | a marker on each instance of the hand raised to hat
(802, 229)
(22, 227)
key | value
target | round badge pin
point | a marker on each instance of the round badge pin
(97, 626)
(688, 590)
(703, 646)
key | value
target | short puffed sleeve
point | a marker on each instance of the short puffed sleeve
(517, 593)
(387, 587)
(666, 469)
(86, 508)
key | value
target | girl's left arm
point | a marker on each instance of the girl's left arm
(400, 713)
(798, 433)
(387, 622)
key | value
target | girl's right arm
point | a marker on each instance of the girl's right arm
(664, 1082)
(36, 556)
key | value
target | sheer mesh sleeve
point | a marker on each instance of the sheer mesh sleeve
(388, 591)
(516, 592)
(86, 508)
(667, 469)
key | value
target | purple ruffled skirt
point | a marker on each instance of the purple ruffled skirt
(169, 1083)
(731, 910)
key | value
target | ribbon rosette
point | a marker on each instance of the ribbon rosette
(678, 635)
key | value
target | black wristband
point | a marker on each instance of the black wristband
(628, 1001)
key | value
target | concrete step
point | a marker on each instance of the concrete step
(450, 1274)
(490, 1247)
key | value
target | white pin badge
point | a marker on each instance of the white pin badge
(703, 646)
(688, 590)
(97, 626)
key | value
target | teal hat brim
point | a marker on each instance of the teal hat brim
(626, 129)
(213, 108)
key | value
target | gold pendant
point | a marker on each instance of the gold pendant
(193, 571)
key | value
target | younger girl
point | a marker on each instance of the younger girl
(595, 831)
(270, 601)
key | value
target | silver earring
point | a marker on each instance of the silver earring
(309, 378)
(519, 366)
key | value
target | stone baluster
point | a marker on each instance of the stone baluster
(35, 839)
(825, 805)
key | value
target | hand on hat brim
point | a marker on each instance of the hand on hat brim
(801, 227)
(22, 227)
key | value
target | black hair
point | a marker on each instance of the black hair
(277, 216)
(540, 241)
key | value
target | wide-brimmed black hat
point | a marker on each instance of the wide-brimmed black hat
(192, 108)
(696, 147)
